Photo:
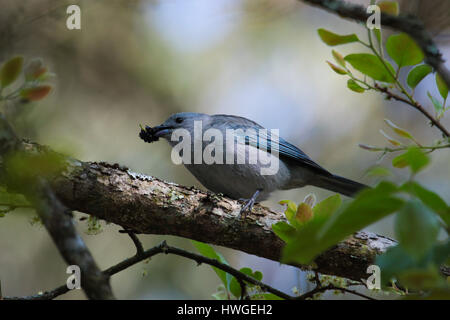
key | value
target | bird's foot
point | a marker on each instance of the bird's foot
(247, 207)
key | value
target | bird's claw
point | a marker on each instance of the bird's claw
(248, 206)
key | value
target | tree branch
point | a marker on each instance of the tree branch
(406, 23)
(136, 241)
(166, 249)
(145, 204)
(418, 106)
(56, 218)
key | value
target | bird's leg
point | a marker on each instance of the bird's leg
(249, 204)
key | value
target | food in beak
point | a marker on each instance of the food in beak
(150, 134)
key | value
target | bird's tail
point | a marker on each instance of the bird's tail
(339, 184)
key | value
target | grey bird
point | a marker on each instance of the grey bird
(244, 180)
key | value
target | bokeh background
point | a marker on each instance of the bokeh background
(138, 61)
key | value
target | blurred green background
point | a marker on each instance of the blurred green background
(138, 61)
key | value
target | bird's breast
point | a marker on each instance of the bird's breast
(233, 169)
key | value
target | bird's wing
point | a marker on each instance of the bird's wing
(262, 139)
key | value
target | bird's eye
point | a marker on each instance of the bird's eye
(179, 120)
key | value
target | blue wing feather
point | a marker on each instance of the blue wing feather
(286, 149)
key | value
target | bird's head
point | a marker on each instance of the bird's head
(182, 120)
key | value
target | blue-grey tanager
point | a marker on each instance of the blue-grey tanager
(237, 157)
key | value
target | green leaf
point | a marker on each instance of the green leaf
(291, 209)
(11, 71)
(378, 171)
(336, 69)
(352, 85)
(416, 228)
(441, 253)
(208, 251)
(12, 199)
(235, 288)
(254, 274)
(322, 211)
(415, 158)
(327, 207)
(397, 262)
(284, 231)
(418, 74)
(371, 65)
(333, 39)
(24, 167)
(392, 262)
(389, 7)
(399, 162)
(368, 207)
(304, 246)
(339, 58)
(399, 131)
(404, 50)
(35, 93)
(442, 86)
(438, 107)
(421, 278)
(325, 230)
(429, 198)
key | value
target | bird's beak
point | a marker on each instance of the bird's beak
(160, 131)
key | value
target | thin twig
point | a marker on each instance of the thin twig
(243, 286)
(320, 288)
(212, 262)
(416, 105)
(166, 249)
(136, 241)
